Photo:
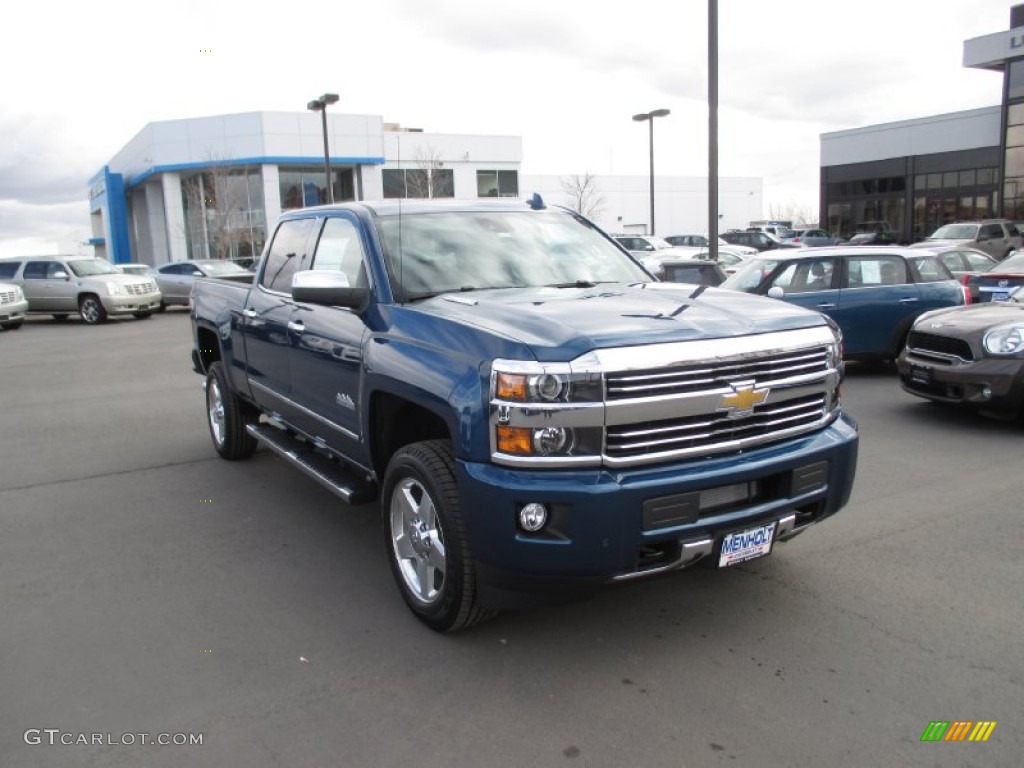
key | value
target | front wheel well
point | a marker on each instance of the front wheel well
(396, 422)
(208, 347)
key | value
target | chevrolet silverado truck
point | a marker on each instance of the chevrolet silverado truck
(536, 414)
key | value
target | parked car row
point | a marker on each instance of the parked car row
(95, 289)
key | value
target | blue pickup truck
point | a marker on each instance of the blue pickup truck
(537, 415)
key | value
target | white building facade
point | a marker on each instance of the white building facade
(212, 187)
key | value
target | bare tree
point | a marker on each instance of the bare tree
(800, 215)
(217, 204)
(429, 178)
(584, 195)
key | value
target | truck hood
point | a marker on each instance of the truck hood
(563, 323)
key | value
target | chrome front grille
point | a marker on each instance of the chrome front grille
(714, 432)
(139, 289)
(8, 297)
(714, 397)
(765, 370)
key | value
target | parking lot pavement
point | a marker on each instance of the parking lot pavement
(147, 587)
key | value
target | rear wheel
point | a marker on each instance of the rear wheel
(13, 325)
(91, 309)
(426, 539)
(228, 417)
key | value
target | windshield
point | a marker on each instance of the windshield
(90, 267)
(750, 274)
(432, 253)
(955, 232)
(215, 268)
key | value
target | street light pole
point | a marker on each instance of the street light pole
(649, 117)
(320, 105)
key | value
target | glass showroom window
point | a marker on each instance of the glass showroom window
(419, 182)
(224, 213)
(497, 184)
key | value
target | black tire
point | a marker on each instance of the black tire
(227, 417)
(61, 317)
(91, 310)
(13, 325)
(142, 315)
(162, 307)
(426, 539)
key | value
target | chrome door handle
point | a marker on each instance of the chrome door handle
(249, 313)
(826, 305)
(909, 300)
(296, 325)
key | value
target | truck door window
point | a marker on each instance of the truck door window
(340, 249)
(286, 254)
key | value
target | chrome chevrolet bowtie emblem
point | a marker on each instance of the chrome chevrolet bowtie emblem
(742, 400)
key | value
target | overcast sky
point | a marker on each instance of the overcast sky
(81, 79)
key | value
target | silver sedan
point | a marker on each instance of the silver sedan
(176, 278)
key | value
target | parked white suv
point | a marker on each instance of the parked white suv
(94, 288)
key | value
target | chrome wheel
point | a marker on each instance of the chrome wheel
(215, 408)
(418, 541)
(91, 310)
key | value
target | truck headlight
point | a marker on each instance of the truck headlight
(114, 289)
(546, 386)
(1005, 339)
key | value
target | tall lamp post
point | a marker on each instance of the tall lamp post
(649, 117)
(320, 105)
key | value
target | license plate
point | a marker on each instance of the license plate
(920, 375)
(1000, 295)
(746, 545)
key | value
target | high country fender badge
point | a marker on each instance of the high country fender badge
(741, 401)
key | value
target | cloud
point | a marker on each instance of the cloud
(40, 162)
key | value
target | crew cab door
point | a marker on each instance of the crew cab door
(265, 317)
(327, 347)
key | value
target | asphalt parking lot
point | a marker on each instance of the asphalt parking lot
(148, 587)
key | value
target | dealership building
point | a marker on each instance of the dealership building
(211, 187)
(913, 176)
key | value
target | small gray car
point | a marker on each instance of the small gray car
(176, 278)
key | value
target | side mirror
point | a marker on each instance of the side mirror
(328, 288)
(60, 274)
(776, 292)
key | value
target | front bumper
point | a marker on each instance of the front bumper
(15, 310)
(991, 383)
(608, 526)
(126, 305)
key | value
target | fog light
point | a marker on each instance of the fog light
(533, 517)
(551, 440)
(986, 393)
